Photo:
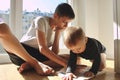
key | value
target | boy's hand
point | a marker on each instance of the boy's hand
(47, 70)
(68, 76)
(89, 74)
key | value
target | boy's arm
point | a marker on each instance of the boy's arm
(96, 64)
(97, 58)
(55, 47)
(42, 43)
(71, 63)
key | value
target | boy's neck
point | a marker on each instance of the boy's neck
(52, 23)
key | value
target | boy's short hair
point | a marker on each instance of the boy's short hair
(65, 9)
(72, 35)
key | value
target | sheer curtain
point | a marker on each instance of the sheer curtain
(117, 35)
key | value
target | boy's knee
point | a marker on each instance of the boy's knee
(103, 61)
(3, 28)
(2, 24)
(102, 66)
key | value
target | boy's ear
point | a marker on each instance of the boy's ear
(55, 15)
(86, 39)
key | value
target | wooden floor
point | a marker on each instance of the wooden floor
(9, 72)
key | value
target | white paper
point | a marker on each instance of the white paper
(79, 74)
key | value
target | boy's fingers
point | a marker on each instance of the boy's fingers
(74, 76)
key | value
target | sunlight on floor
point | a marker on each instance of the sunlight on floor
(109, 63)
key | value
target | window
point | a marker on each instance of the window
(4, 11)
(4, 15)
(37, 8)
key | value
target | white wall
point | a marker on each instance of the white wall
(106, 25)
(91, 18)
(4, 58)
(96, 18)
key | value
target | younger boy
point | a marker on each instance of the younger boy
(82, 46)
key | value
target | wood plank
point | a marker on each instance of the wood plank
(9, 72)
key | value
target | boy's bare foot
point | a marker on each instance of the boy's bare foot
(40, 68)
(23, 67)
(45, 70)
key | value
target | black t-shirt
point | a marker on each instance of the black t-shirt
(92, 52)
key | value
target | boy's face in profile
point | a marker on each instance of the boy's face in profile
(79, 47)
(62, 21)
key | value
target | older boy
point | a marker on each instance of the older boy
(34, 48)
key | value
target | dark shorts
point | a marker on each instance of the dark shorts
(32, 51)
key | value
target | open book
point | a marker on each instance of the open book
(79, 73)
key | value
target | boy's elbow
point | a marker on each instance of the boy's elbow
(55, 51)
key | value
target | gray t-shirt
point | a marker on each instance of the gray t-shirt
(42, 24)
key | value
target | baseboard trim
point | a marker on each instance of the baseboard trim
(4, 58)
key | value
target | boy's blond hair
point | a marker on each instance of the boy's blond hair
(72, 35)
